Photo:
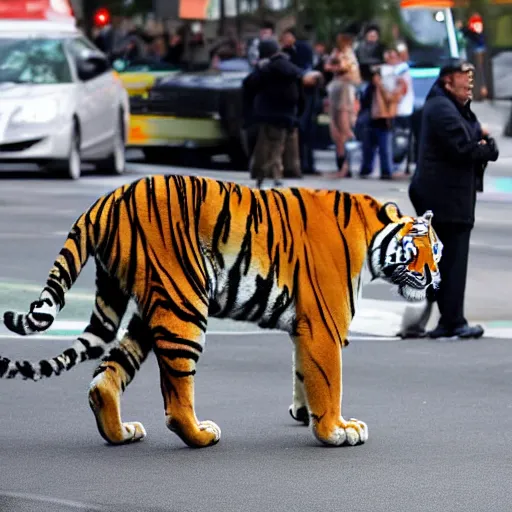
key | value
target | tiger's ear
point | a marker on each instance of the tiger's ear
(427, 216)
(390, 213)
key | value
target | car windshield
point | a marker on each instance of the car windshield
(426, 34)
(33, 61)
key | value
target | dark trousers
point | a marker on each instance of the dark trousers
(453, 268)
(377, 136)
(251, 138)
(401, 136)
(306, 142)
(307, 129)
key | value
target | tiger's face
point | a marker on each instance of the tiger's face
(407, 253)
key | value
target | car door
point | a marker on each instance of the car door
(97, 100)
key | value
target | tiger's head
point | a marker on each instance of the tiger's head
(406, 252)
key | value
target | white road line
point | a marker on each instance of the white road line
(37, 289)
(490, 332)
(479, 221)
(29, 236)
(55, 501)
(39, 210)
(492, 247)
(208, 333)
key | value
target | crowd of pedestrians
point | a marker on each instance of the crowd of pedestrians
(124, 39)
(363, 86)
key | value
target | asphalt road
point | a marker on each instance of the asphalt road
(439, 417)
(439, 413)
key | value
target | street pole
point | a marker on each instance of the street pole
(222, 21)
(238, 20)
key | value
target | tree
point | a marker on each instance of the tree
(329, 16)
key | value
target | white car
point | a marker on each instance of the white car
(61, 103)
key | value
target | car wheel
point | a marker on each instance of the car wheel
(115, 163)
(71, 167)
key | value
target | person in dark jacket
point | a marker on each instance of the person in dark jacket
(273, 100)
(453, 153)
(370, 51)
(301, 54)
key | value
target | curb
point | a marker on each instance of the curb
(369, 322)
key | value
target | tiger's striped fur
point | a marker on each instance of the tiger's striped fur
(185, 248)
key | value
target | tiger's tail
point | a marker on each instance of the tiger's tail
(68, 265)
(110, 306)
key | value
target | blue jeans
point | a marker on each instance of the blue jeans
(377, 136)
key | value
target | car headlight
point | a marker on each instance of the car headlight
(38, 112)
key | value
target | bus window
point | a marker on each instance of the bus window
(428, 36)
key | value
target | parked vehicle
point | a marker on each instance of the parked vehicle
(139, 76)
(61, 103)
(199, 110)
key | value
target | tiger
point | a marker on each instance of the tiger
(185, 248)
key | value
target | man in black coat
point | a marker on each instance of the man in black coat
(300, 52)
(453, 154)
(273, 99)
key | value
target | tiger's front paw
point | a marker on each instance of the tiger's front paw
(199, 435)
(135, 431)
(211, 432)
(299, 413)
(351, 432)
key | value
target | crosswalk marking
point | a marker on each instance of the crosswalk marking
(373, 317)
(369, 322)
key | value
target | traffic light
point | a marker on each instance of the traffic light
(101, 17)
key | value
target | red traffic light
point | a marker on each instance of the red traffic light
(102, 17)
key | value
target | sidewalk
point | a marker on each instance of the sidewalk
(374, 318)
(494, 114)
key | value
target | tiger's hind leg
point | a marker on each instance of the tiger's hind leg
(299, 409)
(110, 305)
(320, 358)
(178, 345)
(112, 377)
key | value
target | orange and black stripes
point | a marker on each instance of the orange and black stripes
(186, 248)
(194, 247)
(197, 223)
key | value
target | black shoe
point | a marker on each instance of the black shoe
(278, 183)
(462, 332)
(469, 331)
(386, 176)
(259, 182)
